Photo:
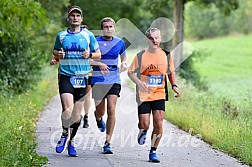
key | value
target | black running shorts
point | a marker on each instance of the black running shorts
(147, 107)
(65, 86)
(101, 91)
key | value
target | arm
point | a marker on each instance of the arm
(175, 88)
(141, 85)
(59, 53)
(103, 67)
(92, 55)
(124, 65)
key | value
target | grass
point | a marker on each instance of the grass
(228, 69)
(18, 117)
(222, 116)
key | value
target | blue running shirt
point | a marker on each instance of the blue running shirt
(110, 51)
(73, 45)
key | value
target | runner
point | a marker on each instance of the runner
(148, 71)
(74, 47)
(106, 79)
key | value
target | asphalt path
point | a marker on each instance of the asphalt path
(177, 148)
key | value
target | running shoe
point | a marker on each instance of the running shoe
(85, 122)
(61, 145)
(141, 137)
(71, 150)
(101, 125)
(153, 157)
(107, 149)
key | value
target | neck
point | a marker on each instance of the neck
(74, 29)
(107, 38)
(153, 50)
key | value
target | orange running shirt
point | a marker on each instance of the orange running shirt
(153, 69)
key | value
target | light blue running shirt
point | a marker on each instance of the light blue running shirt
(73, 45)
(110, 51)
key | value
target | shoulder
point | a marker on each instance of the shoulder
(84, 30)
(165, 51)
(99, 38)
(62, 33)
(118, 39)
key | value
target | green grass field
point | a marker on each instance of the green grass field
(228, 69)
(223, 115)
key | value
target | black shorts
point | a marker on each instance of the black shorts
(147, 107)
(89, 80)
(101, 91)
(65, 86)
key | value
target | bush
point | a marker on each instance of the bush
(189, 73)
(20, 59)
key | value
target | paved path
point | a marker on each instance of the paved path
(177, 148)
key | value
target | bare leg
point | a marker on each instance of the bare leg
(112, 99)
(158, 116)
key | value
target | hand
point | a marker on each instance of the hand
(176, 90)
(53, 62)
(86, 54)
(123, 66)
(61, 53)
(104, 68)
(142, 86)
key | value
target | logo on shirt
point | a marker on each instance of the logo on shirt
(151, 69)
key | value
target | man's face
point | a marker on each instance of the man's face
(108, 29)
(154, 39)
(75, 18)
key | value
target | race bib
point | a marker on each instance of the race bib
(78, 81)
(155, 80)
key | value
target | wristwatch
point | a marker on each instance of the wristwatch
(174, 85)
(90, 55)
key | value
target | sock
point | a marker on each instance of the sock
(65, 131)
(153, 149)
(142, 130)
(74, 129)
(106, 143)
(86, 116)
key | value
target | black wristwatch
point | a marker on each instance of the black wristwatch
(90, 55)
(173, 85)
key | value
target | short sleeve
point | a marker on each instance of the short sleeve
(134, 66)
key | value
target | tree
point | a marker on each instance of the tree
(20, 59)
(225, 6)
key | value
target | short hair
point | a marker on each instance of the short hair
(107, 19)
(147, 33)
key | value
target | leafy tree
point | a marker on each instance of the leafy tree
(94, 11)
(20, 59)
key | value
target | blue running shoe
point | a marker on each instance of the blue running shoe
(61, 145)
(71, 150)
(153, 157)
(101, 125)
(107, 149)
(141, 137)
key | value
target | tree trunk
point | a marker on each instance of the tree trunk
(178, 19)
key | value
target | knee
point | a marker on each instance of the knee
(143, 125)
(111, 112)
(158, 124)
